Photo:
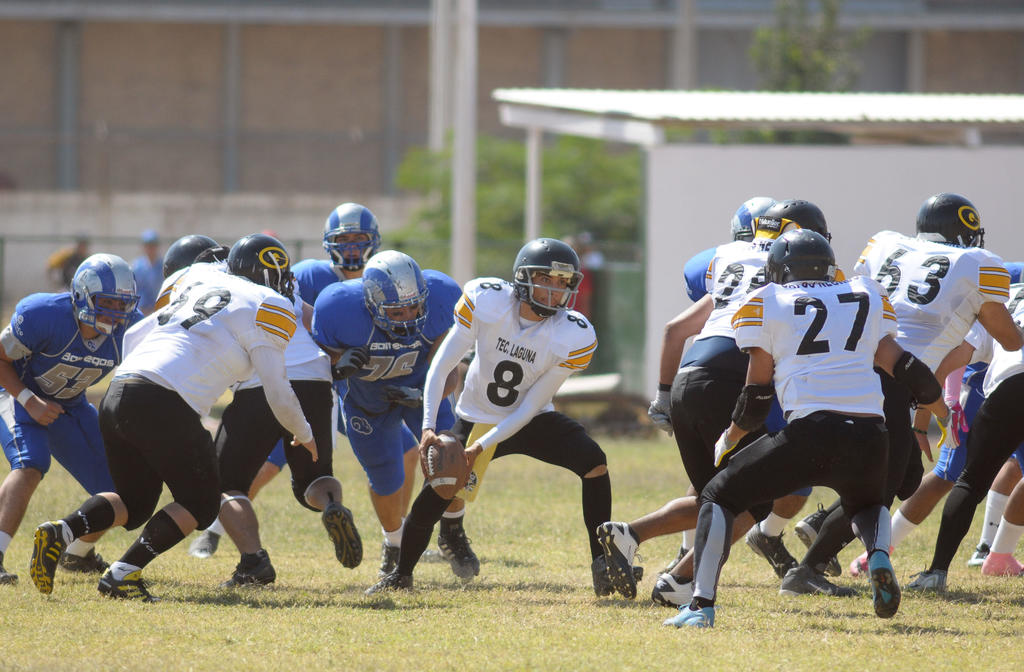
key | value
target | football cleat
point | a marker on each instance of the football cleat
(47, 548)
(885, 591)
(803, 580)
(90, 563)
(1001, 564)
(929, 580)
(392, 582)
(131, 587)
(670, 591)
(455, 548)
(701, 618)
(5, 576)
(205, 545)
(859, 565)
(253, 569)
(619, 547)
(602, 584)
(771, 549)
(807, 531)
(980, 553)
(389, 559)
(341, 528)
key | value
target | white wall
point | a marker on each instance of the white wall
(694, 189)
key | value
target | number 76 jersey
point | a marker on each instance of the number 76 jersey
(823, 337)
(512, 353)
(936, 289)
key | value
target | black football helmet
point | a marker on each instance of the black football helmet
(951, 219)
(804, 214)
(800, 255)
(552, 257)
(262, 259)
(186, 250)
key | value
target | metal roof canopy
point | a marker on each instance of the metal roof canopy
(640, 117)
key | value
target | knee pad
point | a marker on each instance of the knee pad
(302, 493)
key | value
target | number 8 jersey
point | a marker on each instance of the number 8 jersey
(936, 289)
(823, 337)
(512, 352)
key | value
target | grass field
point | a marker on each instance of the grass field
(531, 608)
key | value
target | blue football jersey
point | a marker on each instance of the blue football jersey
(49, 354)
(695, 271)
(341, 320)
(313, 275)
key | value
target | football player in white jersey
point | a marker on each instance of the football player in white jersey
(215, 331)
(939, 283)
(814, 342)
(528, 342)
(702, 393)
(995, 433)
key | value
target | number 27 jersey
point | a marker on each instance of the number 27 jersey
(510, 357)
(823, 337)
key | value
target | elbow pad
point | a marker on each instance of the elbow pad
(752, 406)
(913, 373)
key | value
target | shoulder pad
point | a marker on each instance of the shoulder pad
(340, 317)
(577, 336)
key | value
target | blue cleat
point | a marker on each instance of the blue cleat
(702, 618)
(884, 588)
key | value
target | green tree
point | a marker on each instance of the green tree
(586, 185)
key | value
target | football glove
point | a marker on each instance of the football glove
(406, 396)
(949, 425)
(723, 447)
(659, 412)
(350, 362)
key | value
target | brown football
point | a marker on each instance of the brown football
(444, 466)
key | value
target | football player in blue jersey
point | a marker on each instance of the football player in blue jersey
(382, 331)
(55, 347)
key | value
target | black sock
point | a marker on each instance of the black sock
(159, 534)
(94, 515)
(597, 508)
(419, 525)
(833, 537)
(447, 524)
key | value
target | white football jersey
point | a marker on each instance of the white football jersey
(736, 270)
(936, 289)
(823, 337)
(511, 353)
(303, 359)
(1002, 363)
(198, 344)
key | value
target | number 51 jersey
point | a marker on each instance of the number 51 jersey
(512, 353)
(936, 289)
(823, 337)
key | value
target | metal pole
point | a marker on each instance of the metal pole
(463, 243)
(533, 187)
(232, 76)
(683, 68)
(440, 72)
(69, 40)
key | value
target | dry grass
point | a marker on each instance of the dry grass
(531, 608)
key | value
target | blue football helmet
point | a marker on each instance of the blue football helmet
(104, 276)
(746, 215)
(394, 280)
(351, 218)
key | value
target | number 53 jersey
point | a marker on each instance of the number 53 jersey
(936, 289)
(511, 352)
(823, 337)
(199, 343)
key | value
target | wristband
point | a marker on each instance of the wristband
(919, 431)
(24, 396)
(664, 387)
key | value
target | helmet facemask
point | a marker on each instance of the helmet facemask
(350, 255)
(564, 297)
(109, 278)
(393, 281)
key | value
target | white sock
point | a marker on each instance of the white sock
(119, 570)
(216, 528)
(5, 541)
(689, 537)
(394, 537)
(994, 507)
(773, 525)
(901, 528)
(79, 548)
(1007, 537)
(452, 516)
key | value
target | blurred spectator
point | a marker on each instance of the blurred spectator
(62, 264)
(148, 270)
(591, 260)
